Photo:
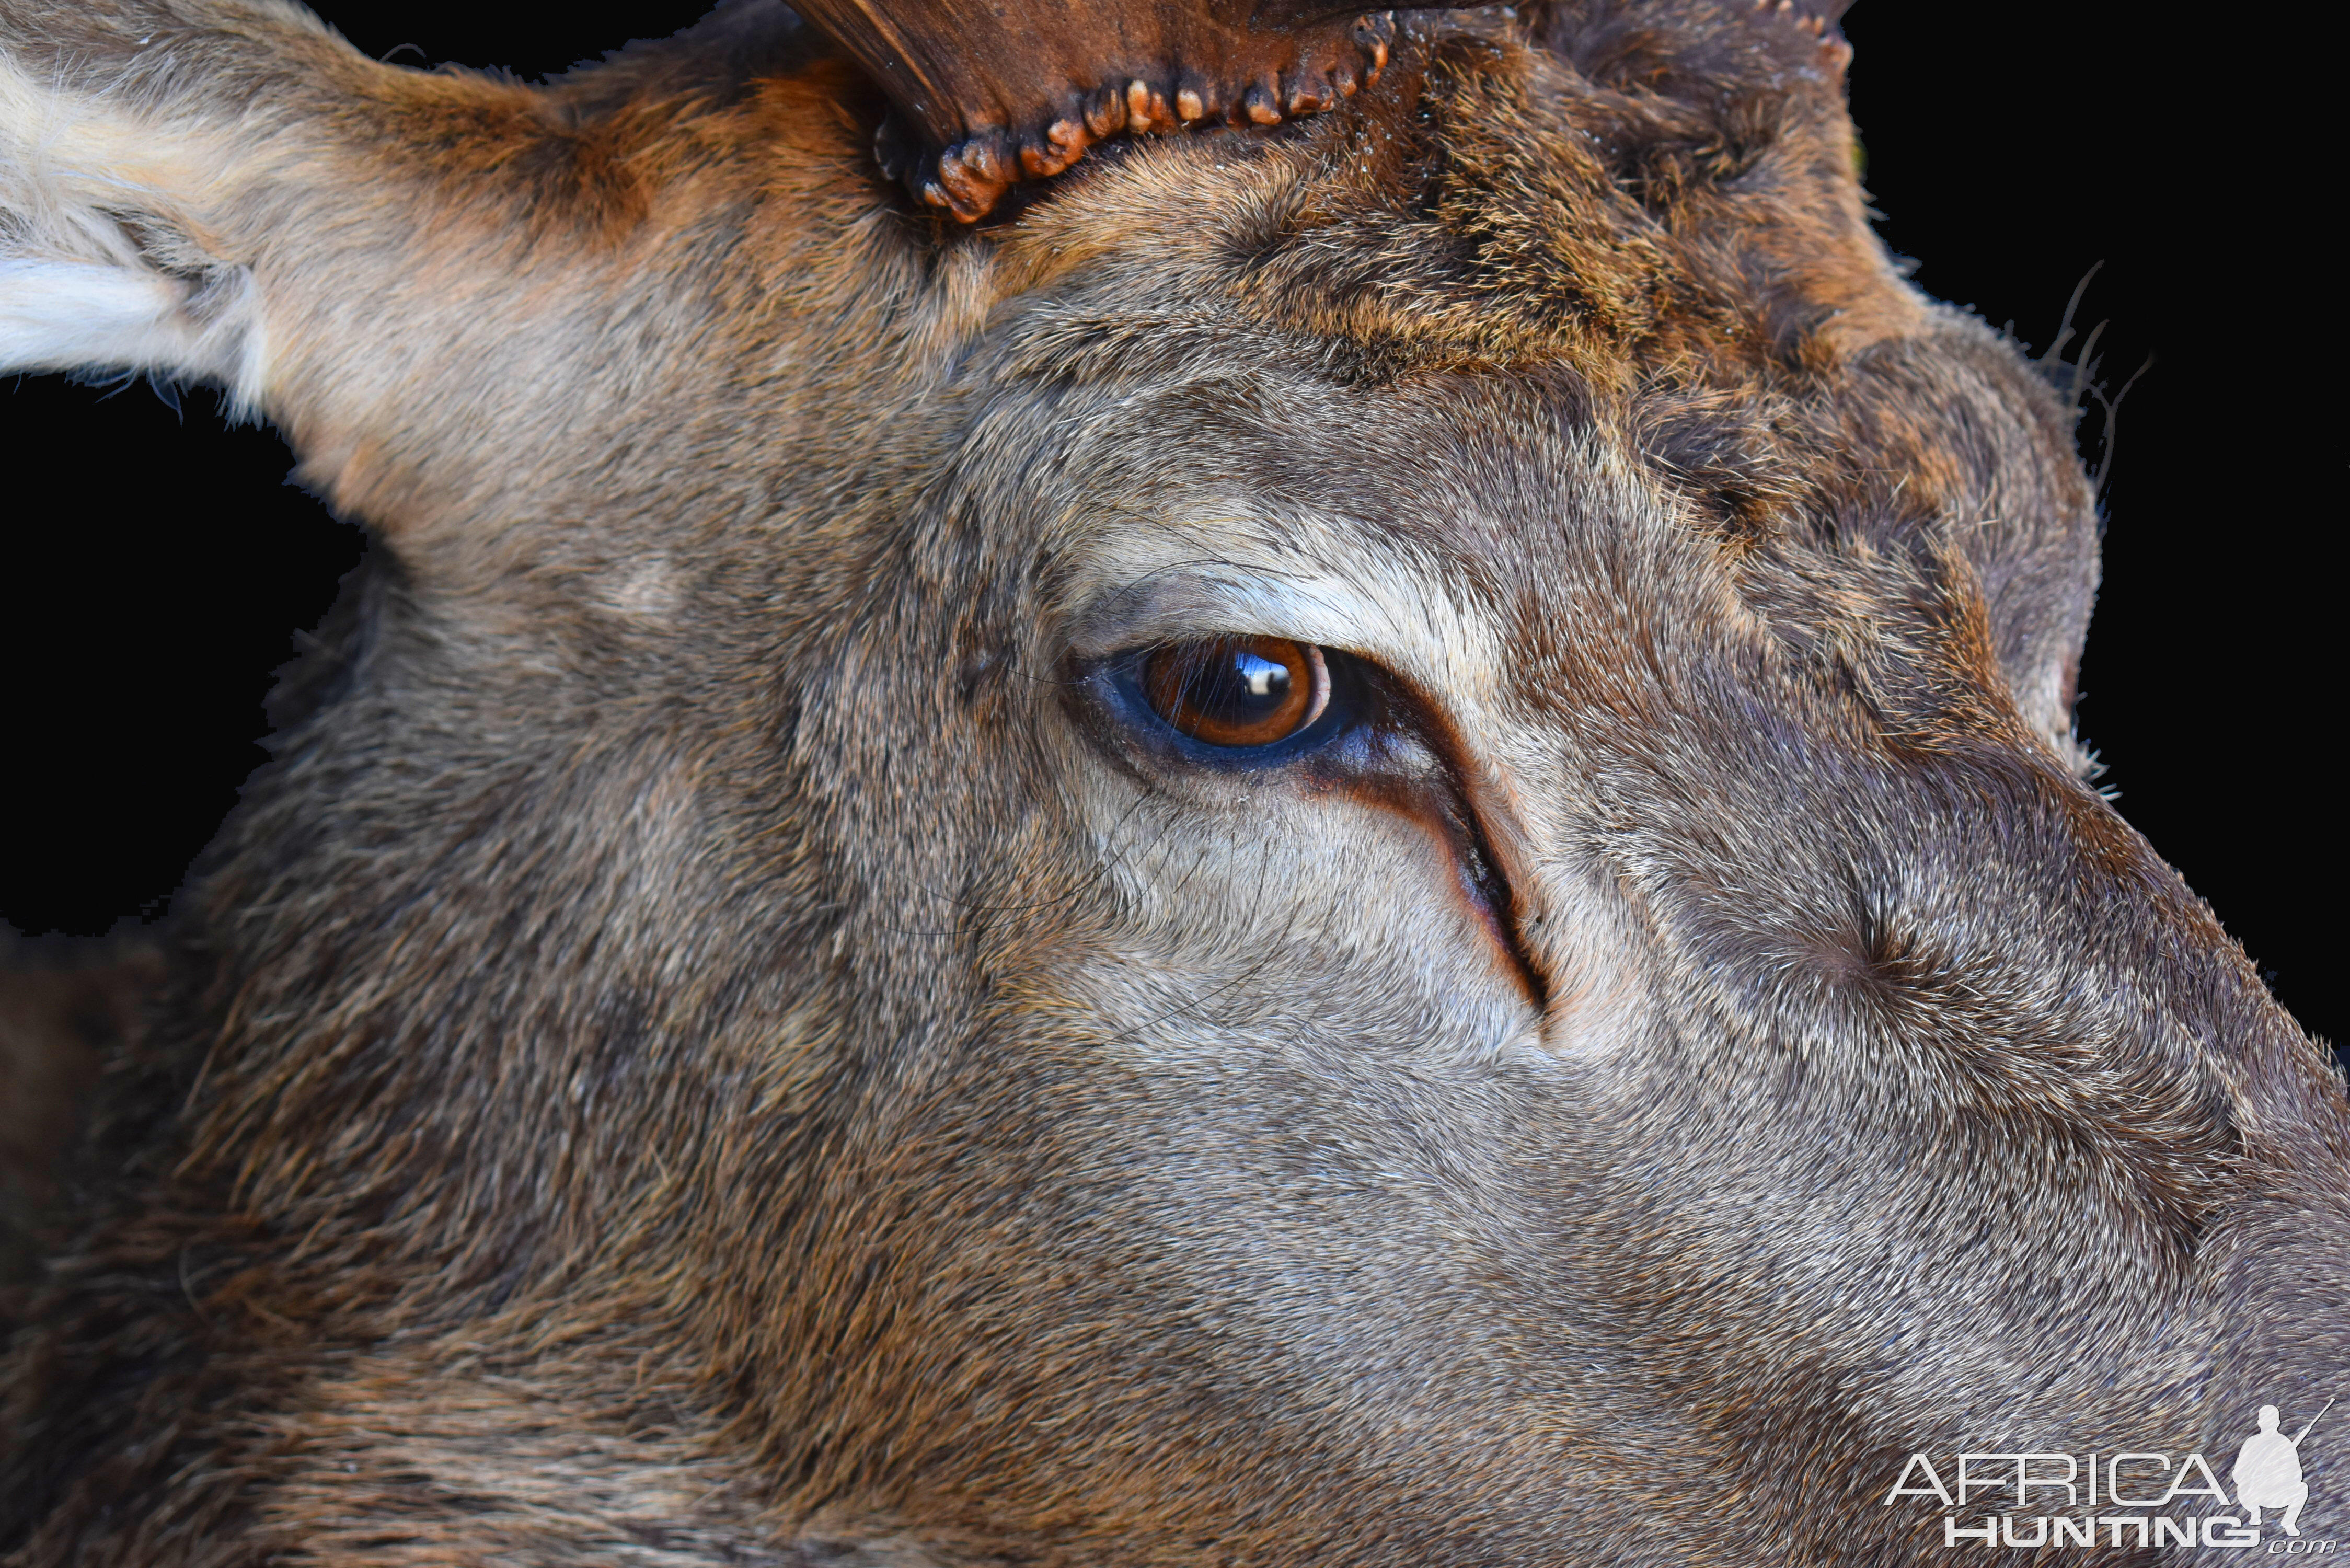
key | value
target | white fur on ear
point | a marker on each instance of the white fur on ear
(86, 316)
(95, 273)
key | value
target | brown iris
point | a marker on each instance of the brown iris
(1237, 690)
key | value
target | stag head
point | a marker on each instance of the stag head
(1355, 843)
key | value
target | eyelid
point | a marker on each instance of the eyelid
(1412, 655)
(1182, 606)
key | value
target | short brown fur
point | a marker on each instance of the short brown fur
(710, 1043)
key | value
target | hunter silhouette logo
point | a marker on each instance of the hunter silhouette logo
(2136, 1497)
(2268, 1470)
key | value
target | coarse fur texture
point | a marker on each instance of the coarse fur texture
(713, 1040)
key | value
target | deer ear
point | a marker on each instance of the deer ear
(386, 263)
(102, 265)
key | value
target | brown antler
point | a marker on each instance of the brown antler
(1019, 90)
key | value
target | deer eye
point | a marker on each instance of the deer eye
(1237, 690)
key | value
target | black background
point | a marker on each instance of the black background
(160, 566)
